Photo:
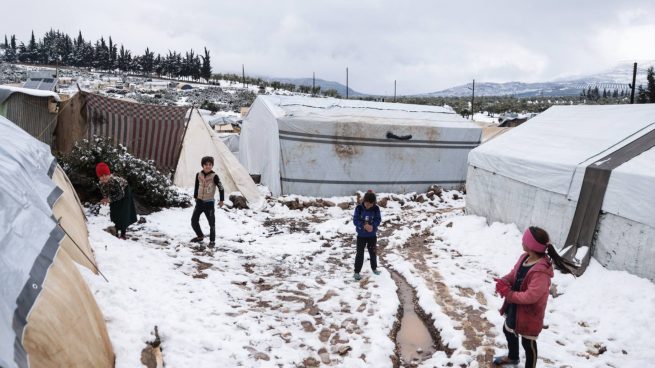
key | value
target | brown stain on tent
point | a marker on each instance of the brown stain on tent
(348, 129)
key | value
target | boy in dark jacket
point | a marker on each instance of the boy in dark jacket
(367, 218)
(204, 190)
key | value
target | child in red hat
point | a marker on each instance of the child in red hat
(118, 194)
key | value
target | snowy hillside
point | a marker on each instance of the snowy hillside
(615, 78)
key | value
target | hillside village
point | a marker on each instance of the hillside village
(459, 186)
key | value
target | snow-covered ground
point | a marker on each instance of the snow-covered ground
(278, 290)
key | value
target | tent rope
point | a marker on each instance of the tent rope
(80, 249)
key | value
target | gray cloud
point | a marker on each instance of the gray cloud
(425, 45)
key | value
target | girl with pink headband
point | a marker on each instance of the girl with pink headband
(526, 290)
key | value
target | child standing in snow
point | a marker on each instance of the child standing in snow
(526, 289)
(367, 218)
(204, 190)
(118, 194)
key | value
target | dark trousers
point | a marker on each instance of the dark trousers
(365, 242)
(529, 345)
(208, 209)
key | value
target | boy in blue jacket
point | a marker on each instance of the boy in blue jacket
(367, 218)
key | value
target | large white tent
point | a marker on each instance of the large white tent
(200, 140)
(533, 175)
(327, 146)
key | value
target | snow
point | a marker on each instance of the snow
(278, 290)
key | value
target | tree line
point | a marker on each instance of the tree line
(59, 48)
(643, 94)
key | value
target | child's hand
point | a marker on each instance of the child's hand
(220, 204)
(502, 288)
(368, 227)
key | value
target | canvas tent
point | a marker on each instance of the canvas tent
(33, 110)
(545, 173)
(48, 315)
(200, 140)
(149, 132)
(327, 146)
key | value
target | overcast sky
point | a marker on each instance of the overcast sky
(426, 45)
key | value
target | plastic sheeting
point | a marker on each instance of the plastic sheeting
(26, 200)
(325, 147)
(200, 140)
(532, 175)
(6, 91)
(48, 316)
(552, 150)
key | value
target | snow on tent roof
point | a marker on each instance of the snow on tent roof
(547, 150)
(6, 91)
(298, 107)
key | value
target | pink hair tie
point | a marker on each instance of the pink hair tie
(531, 243)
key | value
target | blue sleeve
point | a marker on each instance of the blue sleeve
(357, 218)
(377, 219)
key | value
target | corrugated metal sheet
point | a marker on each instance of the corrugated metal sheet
(32, 115)
(149, 132)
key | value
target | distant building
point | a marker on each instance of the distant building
(511, 120)
(44, 80)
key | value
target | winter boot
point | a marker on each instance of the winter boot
(197, 239)
(357, 277)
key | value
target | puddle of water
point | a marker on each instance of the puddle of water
(413, 335)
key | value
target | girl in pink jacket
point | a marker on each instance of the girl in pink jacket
(526, 290)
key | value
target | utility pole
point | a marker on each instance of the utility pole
(394, 90)
(313, 82)
(634, 81)
(346, 83)
(472, 98)
(243, 73)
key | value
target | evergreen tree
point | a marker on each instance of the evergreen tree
(650, 87)
(147, 61)
(10, 53)
(642, 95)
(111, 63)
(206, 70)
(6, 44)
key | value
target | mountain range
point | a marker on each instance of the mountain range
(617, 78)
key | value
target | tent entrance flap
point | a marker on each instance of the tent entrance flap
(590, 201)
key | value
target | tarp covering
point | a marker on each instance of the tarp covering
(324, 146)
(68, 211)
(71, 123)
(30, 110)
(200, 140)
(533, 175)
(30, 285)
(149, 132)
(6, 91)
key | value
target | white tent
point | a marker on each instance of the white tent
(200, 140)
(327, 146)
(533, 175)
(48, 315)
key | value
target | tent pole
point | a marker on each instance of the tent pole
(80, 249)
